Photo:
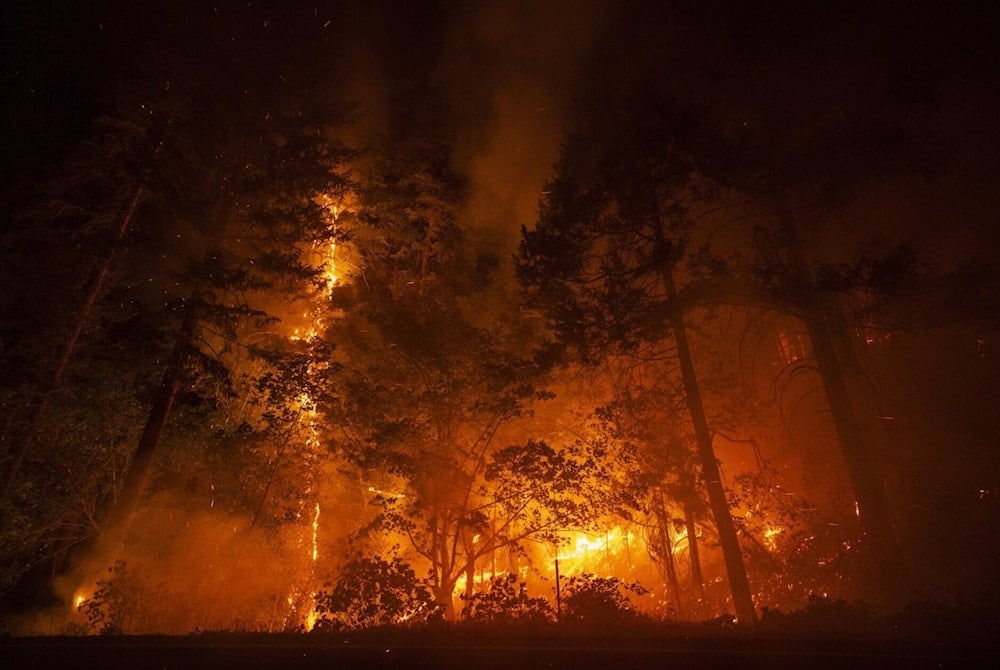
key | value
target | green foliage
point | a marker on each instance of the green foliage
(506, 601)
(587, 597)
(375, 592)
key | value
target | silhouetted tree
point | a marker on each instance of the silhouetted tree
(602, 265)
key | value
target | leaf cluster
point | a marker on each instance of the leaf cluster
(506, 601)
(373, 592)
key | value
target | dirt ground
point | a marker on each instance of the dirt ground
(481, 651)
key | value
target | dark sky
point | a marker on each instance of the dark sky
(508, 78)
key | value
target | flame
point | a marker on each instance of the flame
(330, 267)
(308, 408)
(304, 335)
(769, 535)
(584, 552)
(311, 618)
(586, 544)
(329, 252)
(82, 595)
(315, 535)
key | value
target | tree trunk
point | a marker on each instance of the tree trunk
(739, 585)
(861, 464)
(470, 565)
(819, 316)
(667, 546)
(40, 404)
(140, 468)
(444, 591)
(694, 552)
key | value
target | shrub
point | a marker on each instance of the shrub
(114, 602)
(590, 598)
(374, 592)
(507, 601)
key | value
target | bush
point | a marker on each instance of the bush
(507, 601)
(114, 604)
(374, 592)
(822, 615)
(590, 598)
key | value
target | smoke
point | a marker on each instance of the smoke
(181, 570)
(510, 70)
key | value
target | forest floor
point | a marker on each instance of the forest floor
(623, 646)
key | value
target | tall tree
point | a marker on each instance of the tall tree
(602, 264)
(242, 180)
(94, 198)
(792, 183)
(428, 373)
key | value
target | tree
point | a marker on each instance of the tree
(69, 367)
(239, 188)
(795, 182)
(423, 392)
(647, 409)
(602, 261)
(96, 197)
(430, 373)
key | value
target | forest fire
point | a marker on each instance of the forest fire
(456, 327)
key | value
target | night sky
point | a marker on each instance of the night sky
(509, 79)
